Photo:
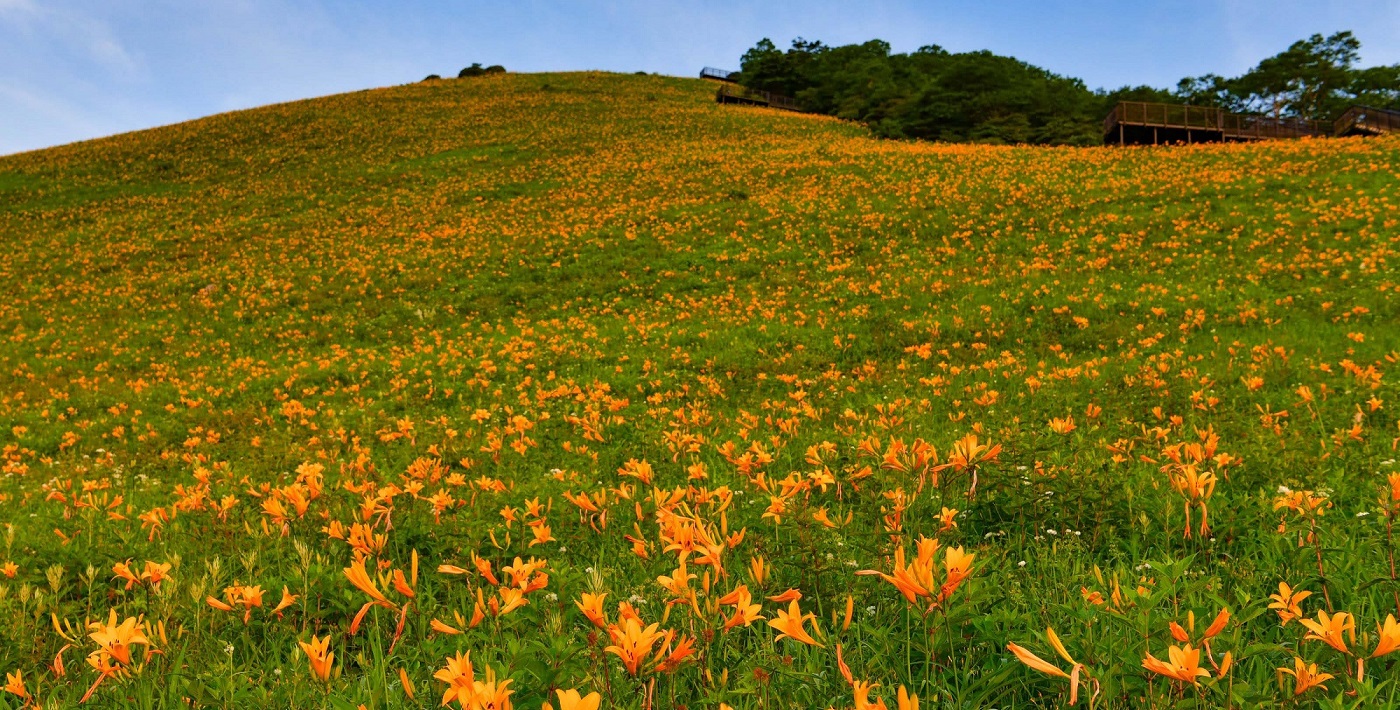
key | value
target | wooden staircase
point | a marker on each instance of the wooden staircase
(1366, 121)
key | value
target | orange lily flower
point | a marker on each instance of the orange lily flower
(789, 624)
(122, 570)
(1035, 662)
(442, 628)
(571, 700)
(592, 607)
(1389, 634)
(789, 595)
(460, 679)
(156, 573)
(319, 657)
(906, 700)
(632, 643)
(288, 599)
(1287, 603)
(1184, 664)
(1329, 628)
(745, 612)
(1305, 676)
(958, 565)
(116, 639)
(15, 684)
(360, 578)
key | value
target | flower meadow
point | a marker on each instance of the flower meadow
(581, 391)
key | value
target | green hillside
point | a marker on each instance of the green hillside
(423, 322)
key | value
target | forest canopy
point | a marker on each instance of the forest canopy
(988, 98)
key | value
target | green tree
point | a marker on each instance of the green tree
(1308, 80)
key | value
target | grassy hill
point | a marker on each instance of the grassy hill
(413, 323)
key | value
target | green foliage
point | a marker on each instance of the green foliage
(477, 70)
(1315, 78)
(982, 97)
(974, 96)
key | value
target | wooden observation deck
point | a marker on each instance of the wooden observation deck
(1138, 123)
(719, 74)
(738, 94)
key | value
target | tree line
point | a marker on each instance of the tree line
(984, 97)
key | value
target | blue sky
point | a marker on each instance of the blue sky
(76, 69)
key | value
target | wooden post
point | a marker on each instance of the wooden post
(1154, 135)
(1120, 134)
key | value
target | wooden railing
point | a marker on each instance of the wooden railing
(1364, 119)
(719, 74)
(736, 94)
(1213, 120)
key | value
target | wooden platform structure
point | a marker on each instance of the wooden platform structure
(1366, 121)
(719, 74)
(737, 94)
(1138, 123)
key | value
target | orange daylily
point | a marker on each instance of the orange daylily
(571, 700)
(360, 578)
(14, 683)
(122, 570)
(1183, 664)
(1305, 676)
(1388, 637)
(116, 639)
(745, 612)
(319, 657)
(288, 599)
(1287, 603)
(632, 643)
(789, 625)
(1329, 629)
(592, 607)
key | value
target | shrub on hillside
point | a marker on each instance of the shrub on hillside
(477, 70)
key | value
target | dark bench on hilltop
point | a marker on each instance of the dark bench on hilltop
(1140, 123)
